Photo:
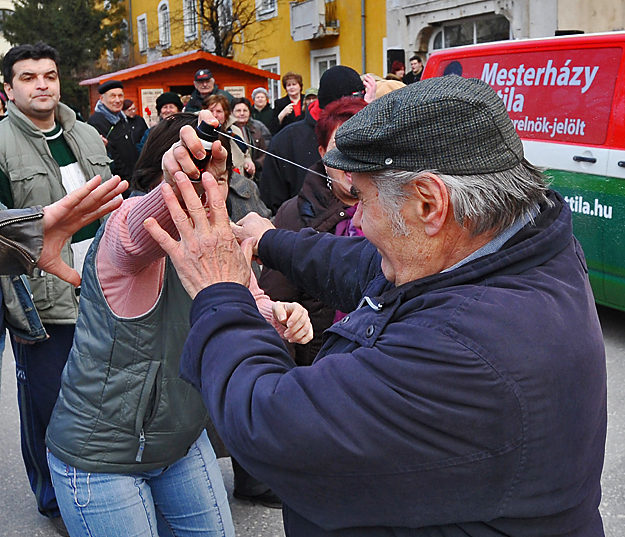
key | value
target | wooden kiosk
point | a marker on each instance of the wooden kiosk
(145, 82)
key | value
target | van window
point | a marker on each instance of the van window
(558, 95)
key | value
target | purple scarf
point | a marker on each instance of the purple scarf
(345, 228)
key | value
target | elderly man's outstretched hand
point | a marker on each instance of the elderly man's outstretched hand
(251, 228)
(207, 252)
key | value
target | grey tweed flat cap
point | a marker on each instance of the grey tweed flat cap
(450, 124)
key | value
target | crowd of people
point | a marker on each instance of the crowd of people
(419, 354)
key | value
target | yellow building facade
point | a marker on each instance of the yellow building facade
(306, 37)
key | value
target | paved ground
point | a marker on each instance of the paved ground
(19, 518)
(18, 511)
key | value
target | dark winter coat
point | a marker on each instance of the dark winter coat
(257, 135)
(280, 180)
(411, 78)
(138, 127)
(264, 116)
(316, 207)
(195, 103)
(469, 402)
(296, 115)
(121, 147)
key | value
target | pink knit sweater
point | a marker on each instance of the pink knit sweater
(131, 264)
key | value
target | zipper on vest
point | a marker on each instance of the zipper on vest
(141, 446)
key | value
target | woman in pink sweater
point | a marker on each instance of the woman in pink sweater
(131, 264)
(165, 480)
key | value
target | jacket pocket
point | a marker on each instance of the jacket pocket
(29, 184)
(150, 396)
(18, 172)
(100, 165)
(44, 290)
(20, 314)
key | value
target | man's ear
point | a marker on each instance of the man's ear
(8, 90)
(432, 203)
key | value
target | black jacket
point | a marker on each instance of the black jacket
(21, 240)
(410, 77)
(195, 103)
(281, 180)
(264, 116)
(121, 147)
(138, 127)
(296, 115)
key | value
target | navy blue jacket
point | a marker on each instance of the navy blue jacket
(471, 402)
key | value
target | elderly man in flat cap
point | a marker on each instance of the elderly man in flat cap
(114, 127)
(44, 155)
(465, 393)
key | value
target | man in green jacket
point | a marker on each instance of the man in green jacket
(44, 154)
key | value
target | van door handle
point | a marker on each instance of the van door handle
(621, 163)
(579, 158)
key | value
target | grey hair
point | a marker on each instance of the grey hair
(481, 203)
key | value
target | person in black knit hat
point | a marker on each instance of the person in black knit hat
(167, 104)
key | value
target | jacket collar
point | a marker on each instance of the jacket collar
(62, 113)
(243, 187)
(535, 244)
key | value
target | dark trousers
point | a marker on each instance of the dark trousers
(38, 368)
(245, 483)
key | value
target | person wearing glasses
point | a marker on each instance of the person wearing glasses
(137, 124)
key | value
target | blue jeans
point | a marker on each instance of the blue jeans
(189, 497)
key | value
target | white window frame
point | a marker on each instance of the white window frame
(274, 85)
(315, 56)
(190, 19)
(474, 20)
(266, 9)
(164, 24)
(142, 33)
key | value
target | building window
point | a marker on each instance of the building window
(125, 46)
(164, 32)
(273, 66)
(4, 15)
(320, 61)
(142, 32)
(471, 31)
(225, 13)
(190, 19)
(266, 9)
